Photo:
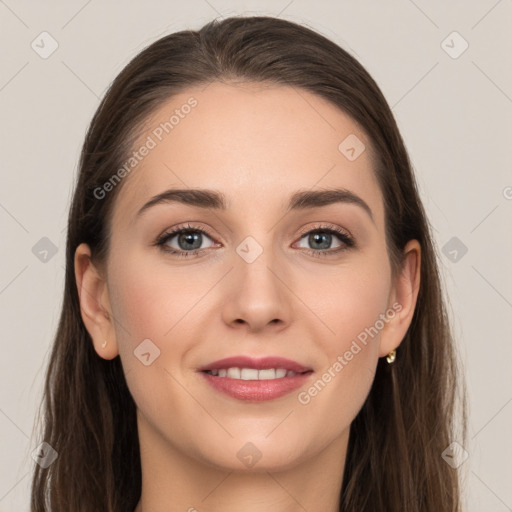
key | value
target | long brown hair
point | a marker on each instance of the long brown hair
(394, 460)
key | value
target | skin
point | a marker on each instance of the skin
(257, 145)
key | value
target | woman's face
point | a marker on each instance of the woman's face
(251, 278)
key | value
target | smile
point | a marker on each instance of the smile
(252, 373)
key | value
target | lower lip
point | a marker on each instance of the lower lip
(256, 390)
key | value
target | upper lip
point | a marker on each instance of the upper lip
(260, 363)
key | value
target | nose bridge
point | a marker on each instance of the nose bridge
(257, 295)
(254, 265)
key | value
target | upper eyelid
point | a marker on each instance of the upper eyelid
(326, 226)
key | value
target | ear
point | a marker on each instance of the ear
(95, 304)
(403, 297)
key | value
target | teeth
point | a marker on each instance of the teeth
(252, 373)
(233, 373)
(270, 373)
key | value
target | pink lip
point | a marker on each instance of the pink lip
(256, 390)
(261, 363)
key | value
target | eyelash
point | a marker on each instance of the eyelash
(325, 228)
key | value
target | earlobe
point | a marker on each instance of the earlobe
(403, 299)
(94, 303)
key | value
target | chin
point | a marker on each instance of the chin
(255, 456)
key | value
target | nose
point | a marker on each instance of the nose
(257, 297)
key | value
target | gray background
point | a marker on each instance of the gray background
(454, 112)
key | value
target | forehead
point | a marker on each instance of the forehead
(255, 143)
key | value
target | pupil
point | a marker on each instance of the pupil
(190, 238)
(317, 238)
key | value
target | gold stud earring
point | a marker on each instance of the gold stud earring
(104, 344)
(391, 356)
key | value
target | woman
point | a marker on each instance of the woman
(210, 355)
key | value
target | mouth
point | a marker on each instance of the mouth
(255, 380)
(247, 363)
(254, 373)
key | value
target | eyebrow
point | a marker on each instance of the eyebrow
(300, 200)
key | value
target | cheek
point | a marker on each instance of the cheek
(137, 305)
(150, 300)
(355, 298)
(357, 302)
(361, 300)
(147, 305)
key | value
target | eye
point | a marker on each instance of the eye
(321, 238)
(184, 241)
